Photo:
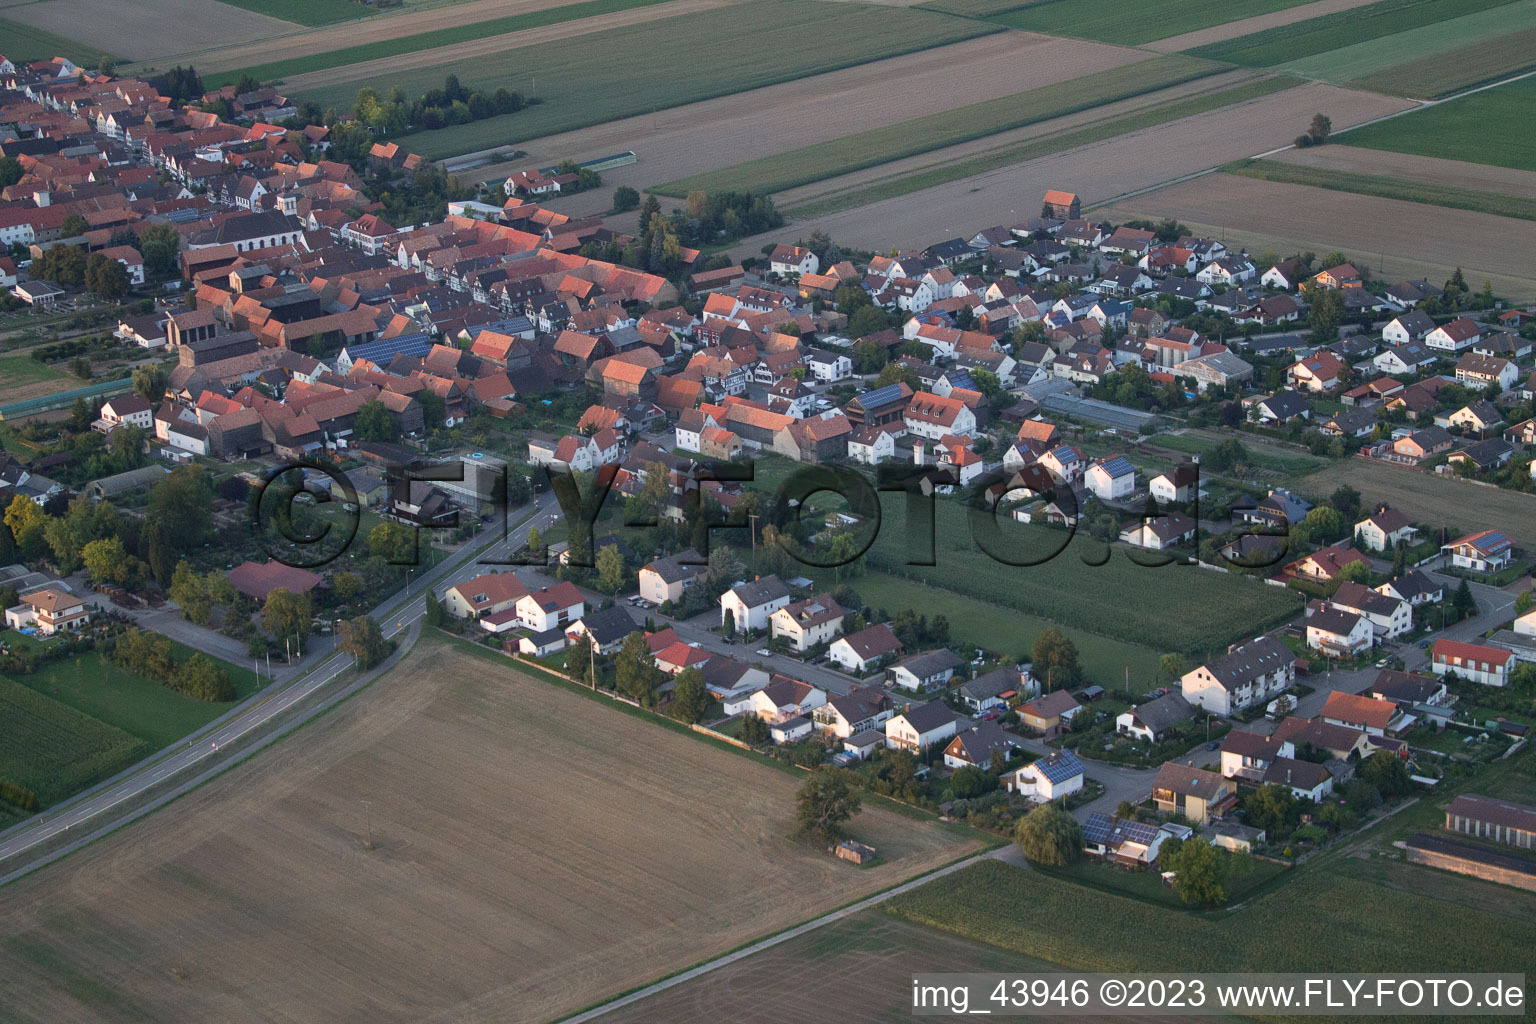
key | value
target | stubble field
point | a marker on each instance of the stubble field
(144, 29)
(536, 852)
(1427, 169)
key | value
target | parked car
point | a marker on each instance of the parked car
(1213, 744)
(763, 652)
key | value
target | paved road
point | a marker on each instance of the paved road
(117, 801)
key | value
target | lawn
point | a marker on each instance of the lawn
(53, 749)
(1037, 148)
(420, 41)
(307, 12)
(1301, 39)
(19, 371)
(1287, 462)
(948, 128)
(663, 65)
(1451, 71)
(1108, 21)
(141, 707)
(1481, 128)
(24, 43)
(1148, 886)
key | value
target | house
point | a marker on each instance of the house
(1372, 717)
(607, 628)
(924, 671)
(257, 580)
(1389, 616)
(1342, 276)
(665, 579)
(1155, 719)
(866, 708)
(872, 445)
(1385, 529)
(1413, 587)
(1054, 776)
(865, 650)
(1326, 564)
(790, 730)
(550, 608)
(808, 623)
(1413, 326)
(1133, 843)
(1457, 336)
(793, 259)
(748, 606)
(921, 726)
(1339, 633)
(1320, 371)
(785, 698)
(931, 416)
(1487, 665)
(1286, 275)
(975, 746)
(1480, 371)
(1477, 418)
(1489, 454)
(1423, 444)
(1350, 423)
(1200, 796)
(1282, 407)
(125, 410)
(1407, 359)
(1177, 486)
(1049, 713)
(1246, 755)
(1059, 205)
(540, 645)
(1500, 821)
(1487, 551)
(995, 689)
(1246, 675)
(1160, 532)
(1305, 779)
(1111, 479)
(48, 610)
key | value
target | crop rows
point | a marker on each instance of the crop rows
(1109, 22)
(54, 750)
(1384, 187)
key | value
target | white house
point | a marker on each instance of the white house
(1177, 486)
(127, 409)
(1111, 479)
(862, 651)
(866, 708)
(975, 746)
(1412, 326)
(1485, 551)
(871, 445)
(785, 698)
(793, 259)
(925, 671)
(551, 608)
(807, 623)
(920, 726)
(1457, 336)
(1487, 665)
(1054, 776)
(1305, 780)
(830, 367)
(665, 579)
(1246, 675)
(1161, 532)
(1384, 528)
(1339, 633)
(1153, 720)
(748, 606)
(48, 609)
(1389, 616)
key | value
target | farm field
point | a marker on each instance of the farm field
(1450, 71)
(1249, 25)
(981, 622)
(54, 750)
(1286, 43)
(728, 129)
(911, 137)
(144, 29)
(1400, 240)
(306, 12)
(1386, 187)
(1424, 169)
(424, 41)
(1474, 128)
(555, 851)
(1430, 499)
(581, 84)
(26, 43)
(1160, 607)
(25, 377)
(1107, 20)
(1290, 463)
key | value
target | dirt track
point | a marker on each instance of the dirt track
(1098, 172)
(148, 29)
(1258, 23)
(1407, 239)
(1433, 170)
(359, 33)
(535, 852)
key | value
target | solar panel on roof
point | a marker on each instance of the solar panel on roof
(880, 396)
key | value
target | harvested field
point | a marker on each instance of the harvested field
(536, 852)
(307, 12)
(146, 29)
(1109, 22)
(1386, 187)
(974, 8)
(1427, 498)
(1476, 126)
(1427, 169)
(774, 40)
(1247, 26)
(1101, 170)
(22, 377)
(1399, 240)
(875, 146)
(1450, 71)
(379, 29)
(1285, 43)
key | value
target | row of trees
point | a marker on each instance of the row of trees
(70, 266)
(151, 655)
(453, 104)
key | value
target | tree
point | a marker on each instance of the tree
(1049, 835)
(1055, 656)
(159, 245)
(1227, 455)
(1524, 602)
(1201, 870)
(971, 781)
(73, 226)
(1356, 572)
(374, 423)
(393, 542)
(201, 677)
(347, 585)
(434, 410)
(28, 524)
(1326, 313)
(286, 615)
(578, 659)
(1273, 808)
(610, 569)
(1324, 523)
(635, 671)
(183, 505)
(754, 731)
(149, 383)
(1319, 130)
(625, 198)
(107, 561)
(362, 638)
(827, 799)
(1388, 774)
(1172, 665)
(106, 277)
(690, 698)
(434, 614)
(10, 171)
(1463, 601)
(868, 320)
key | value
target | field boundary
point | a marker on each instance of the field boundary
(1496, 204)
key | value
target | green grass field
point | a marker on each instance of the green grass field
(1034, 150)
(307, 12)
(1451, 71)
(1385, 187)
(1400, 49)
(1108, 21)
(23, 43)
(1006, 631)
(1276, 46)
(17, 371)
(1481, 128)
(141, 707)
(54, 750)
(1290, 462)
(976, 8)
(585, 80)
(428, 40)
(947, 128)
